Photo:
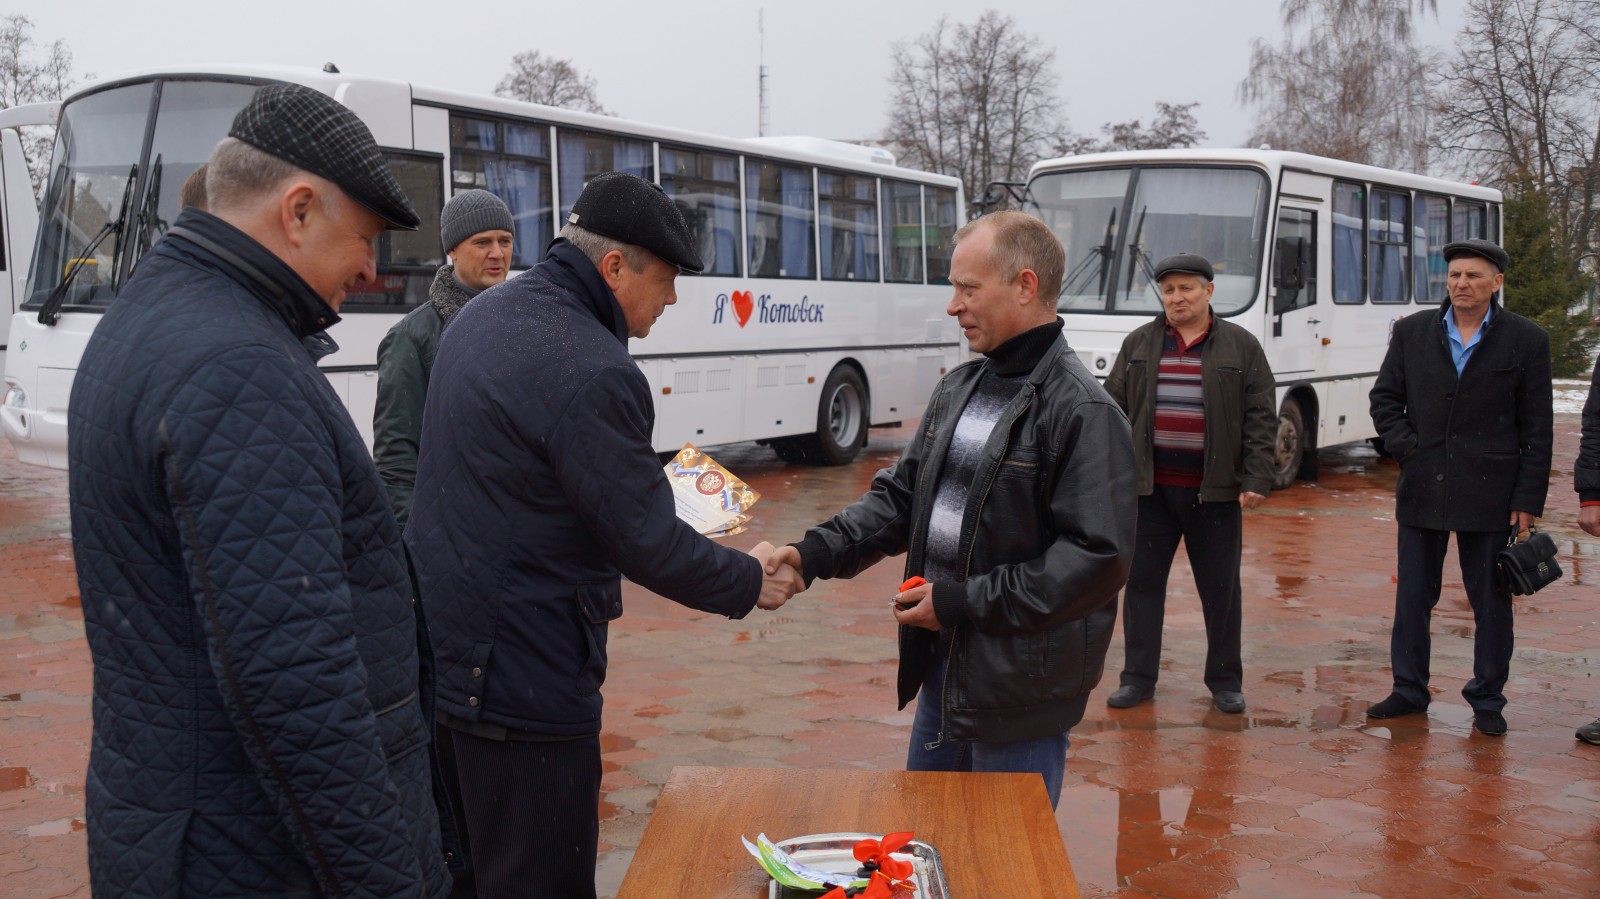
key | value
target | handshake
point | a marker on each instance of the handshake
(781, 579)
(780, 574)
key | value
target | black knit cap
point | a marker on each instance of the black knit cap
(629, 209)
(313, 131)
(1187, 263)
(1483, 249)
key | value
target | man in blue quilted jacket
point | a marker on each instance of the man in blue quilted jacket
(261, 714)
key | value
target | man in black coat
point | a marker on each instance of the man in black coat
(1463, 402)
(537, 487)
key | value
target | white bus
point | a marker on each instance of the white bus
(820, 312)
(1316, 257)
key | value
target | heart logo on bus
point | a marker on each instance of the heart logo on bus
(743, 305)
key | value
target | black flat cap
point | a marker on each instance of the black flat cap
(315, 132)
(1186, 263)
(1483, 249)
(632, 210)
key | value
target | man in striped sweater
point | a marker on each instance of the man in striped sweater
(1200, 398)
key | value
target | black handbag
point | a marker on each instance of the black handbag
(1526, 568)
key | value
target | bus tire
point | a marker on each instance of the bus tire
(842, 415)
(1290, 448)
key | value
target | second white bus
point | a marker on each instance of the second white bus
(1318, 258)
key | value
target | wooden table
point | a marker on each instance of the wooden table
(995, 833)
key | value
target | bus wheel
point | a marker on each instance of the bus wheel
(1291, 446)
(841, 424)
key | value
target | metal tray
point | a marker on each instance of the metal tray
(834, 852)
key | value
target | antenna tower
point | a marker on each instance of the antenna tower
(763, 123)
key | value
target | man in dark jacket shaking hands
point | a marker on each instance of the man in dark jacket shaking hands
(1015, 503)
(537, 487)
(1463, 402)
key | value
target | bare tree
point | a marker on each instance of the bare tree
(1521, 110)
(536, 78)
(975, 101)
(25, 80)
(1347, 81)
(1174, 127)
(1521, 106)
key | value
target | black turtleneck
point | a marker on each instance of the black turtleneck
(1021, 353)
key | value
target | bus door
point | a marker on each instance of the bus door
(1294, 332)
(19, 210)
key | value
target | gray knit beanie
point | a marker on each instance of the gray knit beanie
(470, 212)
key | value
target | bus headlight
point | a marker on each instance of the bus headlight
(14, 410)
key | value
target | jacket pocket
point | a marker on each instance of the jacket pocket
(597, 605)
(601, 602)
(1020, 462)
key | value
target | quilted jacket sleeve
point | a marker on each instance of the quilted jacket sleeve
(397, 418)
(253, 484)
(602, 456)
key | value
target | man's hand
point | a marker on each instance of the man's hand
(783, 555)
(1248, 500)
(1522, 520)
(1589, 520)
(779, 580)
(920, 614)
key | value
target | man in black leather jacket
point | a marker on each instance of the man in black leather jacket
(1016, 502)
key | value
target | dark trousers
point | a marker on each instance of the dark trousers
(532, 813)
(1211, 533)
(1421, 574)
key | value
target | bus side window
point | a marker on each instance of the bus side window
(1349, 250)
(1294, 269)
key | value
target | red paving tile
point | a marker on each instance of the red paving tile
(1300, 796)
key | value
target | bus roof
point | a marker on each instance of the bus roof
(812, 150)
(1273, 161)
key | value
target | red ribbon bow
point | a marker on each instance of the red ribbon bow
(887, 873)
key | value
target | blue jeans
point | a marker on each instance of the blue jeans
(1045, 756)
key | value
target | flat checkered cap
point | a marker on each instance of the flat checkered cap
(317, 133)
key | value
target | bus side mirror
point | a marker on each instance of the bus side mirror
(1291, 261)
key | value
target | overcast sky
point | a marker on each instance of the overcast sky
(694, 64)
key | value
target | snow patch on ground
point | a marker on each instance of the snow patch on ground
(1570, 394)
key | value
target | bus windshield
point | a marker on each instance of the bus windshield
(1117, 223)
(101, 142)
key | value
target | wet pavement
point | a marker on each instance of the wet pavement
(1297, 797)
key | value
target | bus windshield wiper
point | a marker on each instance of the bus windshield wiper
(1139, 259)
(149, 226)
(1099, 256)
(50, 312)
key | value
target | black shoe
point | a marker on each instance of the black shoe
(1487, 722)
(1394, 706)
(1127, 696)
(1590, 733)
(1230, 701)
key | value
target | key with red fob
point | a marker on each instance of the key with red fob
(910, 584)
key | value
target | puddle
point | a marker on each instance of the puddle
(14, 778)
(56, 828)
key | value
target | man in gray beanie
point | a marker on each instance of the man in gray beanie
(476, 231)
